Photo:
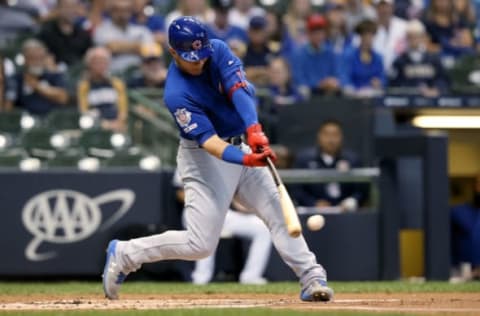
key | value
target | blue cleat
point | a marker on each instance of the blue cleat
(316, 291)
(113, 276)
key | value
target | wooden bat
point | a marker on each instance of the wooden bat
(289, 213)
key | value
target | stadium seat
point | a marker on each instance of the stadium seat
(63, 119)
(10, 122)
(66, 158)
(11, 158)
(102, 143)
(37, 142)
(465, 76)
(124, 158)
(96, 138)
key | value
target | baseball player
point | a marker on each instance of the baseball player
(213, 105)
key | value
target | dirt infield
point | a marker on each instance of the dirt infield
(451, 303)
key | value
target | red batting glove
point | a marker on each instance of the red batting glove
(271, 154)
(256, 139)
(259, 159)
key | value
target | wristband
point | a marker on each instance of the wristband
(233, 154)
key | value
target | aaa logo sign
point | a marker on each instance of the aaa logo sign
(65, 216)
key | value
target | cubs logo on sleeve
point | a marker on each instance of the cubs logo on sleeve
(184, 117)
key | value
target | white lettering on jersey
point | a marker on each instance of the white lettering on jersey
(97, 97)
(190, 128)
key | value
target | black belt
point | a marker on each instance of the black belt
(235, 140)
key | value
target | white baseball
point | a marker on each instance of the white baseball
(316, 222)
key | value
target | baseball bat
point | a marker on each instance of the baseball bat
(288, 209)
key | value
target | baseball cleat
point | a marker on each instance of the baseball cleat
(316, 291)
(112, 276)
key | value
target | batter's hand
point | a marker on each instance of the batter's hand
(256, 139)
(259, 159)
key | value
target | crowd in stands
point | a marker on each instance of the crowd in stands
(354, 48)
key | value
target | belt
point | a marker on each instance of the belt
(234, 140)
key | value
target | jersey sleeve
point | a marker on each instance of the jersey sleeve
(231, 70)
(191, 120)
(235, 84)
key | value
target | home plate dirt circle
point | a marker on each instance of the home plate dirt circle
(419, 303)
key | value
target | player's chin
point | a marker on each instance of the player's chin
(195, 72)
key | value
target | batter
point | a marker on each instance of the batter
(213, 105)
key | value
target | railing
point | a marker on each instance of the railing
(357, 175)
(329, 175)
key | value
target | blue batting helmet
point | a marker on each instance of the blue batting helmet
(188, 37)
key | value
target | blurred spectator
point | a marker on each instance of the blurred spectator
(476, 5)
(144, 14)
(94, 11)
(153, 70)
(328, 154)
(465, 223)
(122, 37)
(417, 70)
(409, 9)
(238, 47)
(44, 10)
(295, 30)
(239, 222)
(390, 40)
(196, 8)
(274, 31)
(242, 12)
(102, 94)
(365, 75)
(13, 22)
(38, 89)
(449, 33)
(221, 28)
(7, 84)
(465, 9)
(65, 39)
(357, 11)
(282, 90)
(340, 38)
(315, 68)
(258, 54)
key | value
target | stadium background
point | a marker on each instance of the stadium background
(121, 176)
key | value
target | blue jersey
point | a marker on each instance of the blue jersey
(202, 105)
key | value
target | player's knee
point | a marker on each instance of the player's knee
(202, 252)
(201, 248)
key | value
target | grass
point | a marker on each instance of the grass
(94, 288)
